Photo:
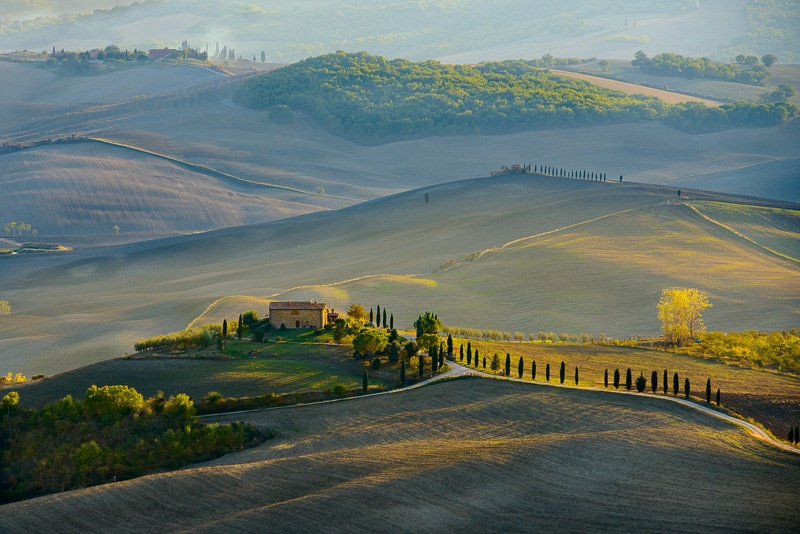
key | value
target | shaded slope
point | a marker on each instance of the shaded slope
(88, 188)
(498, 443)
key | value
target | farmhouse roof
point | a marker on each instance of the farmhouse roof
(297, 306)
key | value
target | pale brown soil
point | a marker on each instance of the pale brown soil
(474, 455)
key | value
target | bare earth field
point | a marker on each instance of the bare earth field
(473, 455)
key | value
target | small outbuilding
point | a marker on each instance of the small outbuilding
(298, 314)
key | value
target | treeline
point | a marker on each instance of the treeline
(199, 336)
(689, 67)
(773, 26)
(113, 434)
(373, 100)
(497, 335)
(777, 348)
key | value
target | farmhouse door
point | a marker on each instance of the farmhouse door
(297, 324)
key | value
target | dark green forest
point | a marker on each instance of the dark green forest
(688, 67)
(113, 434)
(373, 100)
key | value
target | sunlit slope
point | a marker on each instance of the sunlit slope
(88, 188)
(604, 276)
(107, 300)
(499, 457)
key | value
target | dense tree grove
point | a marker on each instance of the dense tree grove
(372, 100)
(113, 434)
(773, 27)
(689, 67)
(777, 348)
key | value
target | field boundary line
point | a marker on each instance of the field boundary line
(742, 236)
(205, 169)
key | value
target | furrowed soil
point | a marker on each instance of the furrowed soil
(767, 397)
(469, 455)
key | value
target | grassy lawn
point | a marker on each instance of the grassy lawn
(767, 397)
(277, 368)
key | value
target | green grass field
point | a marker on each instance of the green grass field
(767, 397)
(279, 368)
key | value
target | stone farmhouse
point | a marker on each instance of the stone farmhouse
(300, 314)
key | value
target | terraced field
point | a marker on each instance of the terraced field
(474, 455)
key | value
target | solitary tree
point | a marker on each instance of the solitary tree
(708, 391)
(628, 379)
(224, 329)
(563, 372)
(604, 64)
(686, 389)
(365, 382)
(675, 384)
(616, 379)
(605, 378)
(5, 307)
(654, 381)
(356, 312)
(508, 364)
(680, 312)
(115, 229)
(520, 367)
(495, 363)
(547, 373)
(768, 60)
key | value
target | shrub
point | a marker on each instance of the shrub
(376, 364)
(340, 390)
(641, 383)
(37, 377)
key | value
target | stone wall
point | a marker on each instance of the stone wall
(290, 318)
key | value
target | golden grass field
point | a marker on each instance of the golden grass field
(474, 455)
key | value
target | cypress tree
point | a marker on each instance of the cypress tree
(484, 363)
(547, 372)
(371, 316)
(675, 384)
(686, 387)
(441, 359)
(533, 370)
(521, 367)
(666, 381)
(576, 375)
(402, 371)
(791, 435)
(391, 321)
(563, 372)
(449, 344)
(605, 379)
(469, 354)
(476, 357)
(365, 382)
(421, 365)
(654, 381)
(384, 318)
(708, 391)
(378, 316)
(628, 379)
(239, 328)
(434, 358)
(224, 329)
(616, 378)
(718, 398)
(508, 364)
(796, 435)
(461, 352)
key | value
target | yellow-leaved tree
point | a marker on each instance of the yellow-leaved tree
(681, 313)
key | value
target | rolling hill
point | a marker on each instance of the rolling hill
(472, 455)
(571, 255)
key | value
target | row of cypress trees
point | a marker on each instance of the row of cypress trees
(376, 318)
(641, 384)
(548, 170)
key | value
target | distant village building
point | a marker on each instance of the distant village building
(96, 63)
(161, 53)
(299, 314)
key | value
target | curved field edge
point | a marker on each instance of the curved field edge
(593, 462)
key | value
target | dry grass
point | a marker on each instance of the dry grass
(472, 455)
(767, 397)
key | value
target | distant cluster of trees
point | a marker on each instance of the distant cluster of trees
(689, 67)
(19, 228)
(497, 335)
(772, 27)
(777, 348)
(371, 99)
(113, 434)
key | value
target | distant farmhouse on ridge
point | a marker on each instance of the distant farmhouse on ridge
(300, 314)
